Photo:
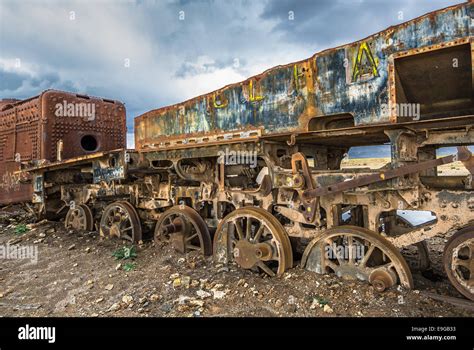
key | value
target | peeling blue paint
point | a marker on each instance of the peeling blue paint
(281, 99)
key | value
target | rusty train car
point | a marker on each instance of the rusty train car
(252, 173)
(53, 126)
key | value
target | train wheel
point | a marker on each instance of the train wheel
(120, 219)
(357, 253)
(459, 261)
(185, 229)
(254, 239)
(79, 218)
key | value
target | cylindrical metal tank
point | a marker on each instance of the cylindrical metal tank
(52, 126)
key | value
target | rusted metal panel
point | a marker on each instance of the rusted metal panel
(351, 79)
(54, 125)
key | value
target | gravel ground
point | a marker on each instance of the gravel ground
(76, 274)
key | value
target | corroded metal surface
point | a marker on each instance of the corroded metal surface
(356, 81)
(184, 228)
(52, 126)
(260, 162)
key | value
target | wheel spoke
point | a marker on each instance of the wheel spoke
(265, 268)
(190, 238)
(350, 243)
(259, 233)
(462, 262)
(331, 244)
(367, 255)
(331, 264)
(249, 228)
(240, 233)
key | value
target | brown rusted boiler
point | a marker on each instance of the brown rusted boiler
(54, 125)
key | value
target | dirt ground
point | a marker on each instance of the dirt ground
(76, 274)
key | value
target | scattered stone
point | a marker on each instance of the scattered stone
(278, 303)
(194, 283)
(219, 294)
(127, 299)
(203, 294)
(119, 265)
(174, 276)
(51, 230)
(75, 265)
(196, 302)
(328, 309)
(114, 307)
(182, 299)
(186, 281)
(42, 235)
(99, 300)
(71, 247)
(291, 308)
(181, 260)
(155, 297)
(109, 287)
(241, 282)
(88, 250)
(176, 282)
(203, 282)
(166, 307)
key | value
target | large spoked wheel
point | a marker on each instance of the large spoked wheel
(184, 229)
(79, 218)
(120, 219)
(459, 261)
(254, 239)
(357, 253)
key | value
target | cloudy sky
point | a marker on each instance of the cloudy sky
(149, 54)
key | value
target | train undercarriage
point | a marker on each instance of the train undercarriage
(268, 203)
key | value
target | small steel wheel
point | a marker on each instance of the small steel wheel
(254, 239)
(459, 261)
(184, 229)
(120, 219)
(353, 252)
(79, 218)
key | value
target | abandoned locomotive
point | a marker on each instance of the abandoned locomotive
(251, 173)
